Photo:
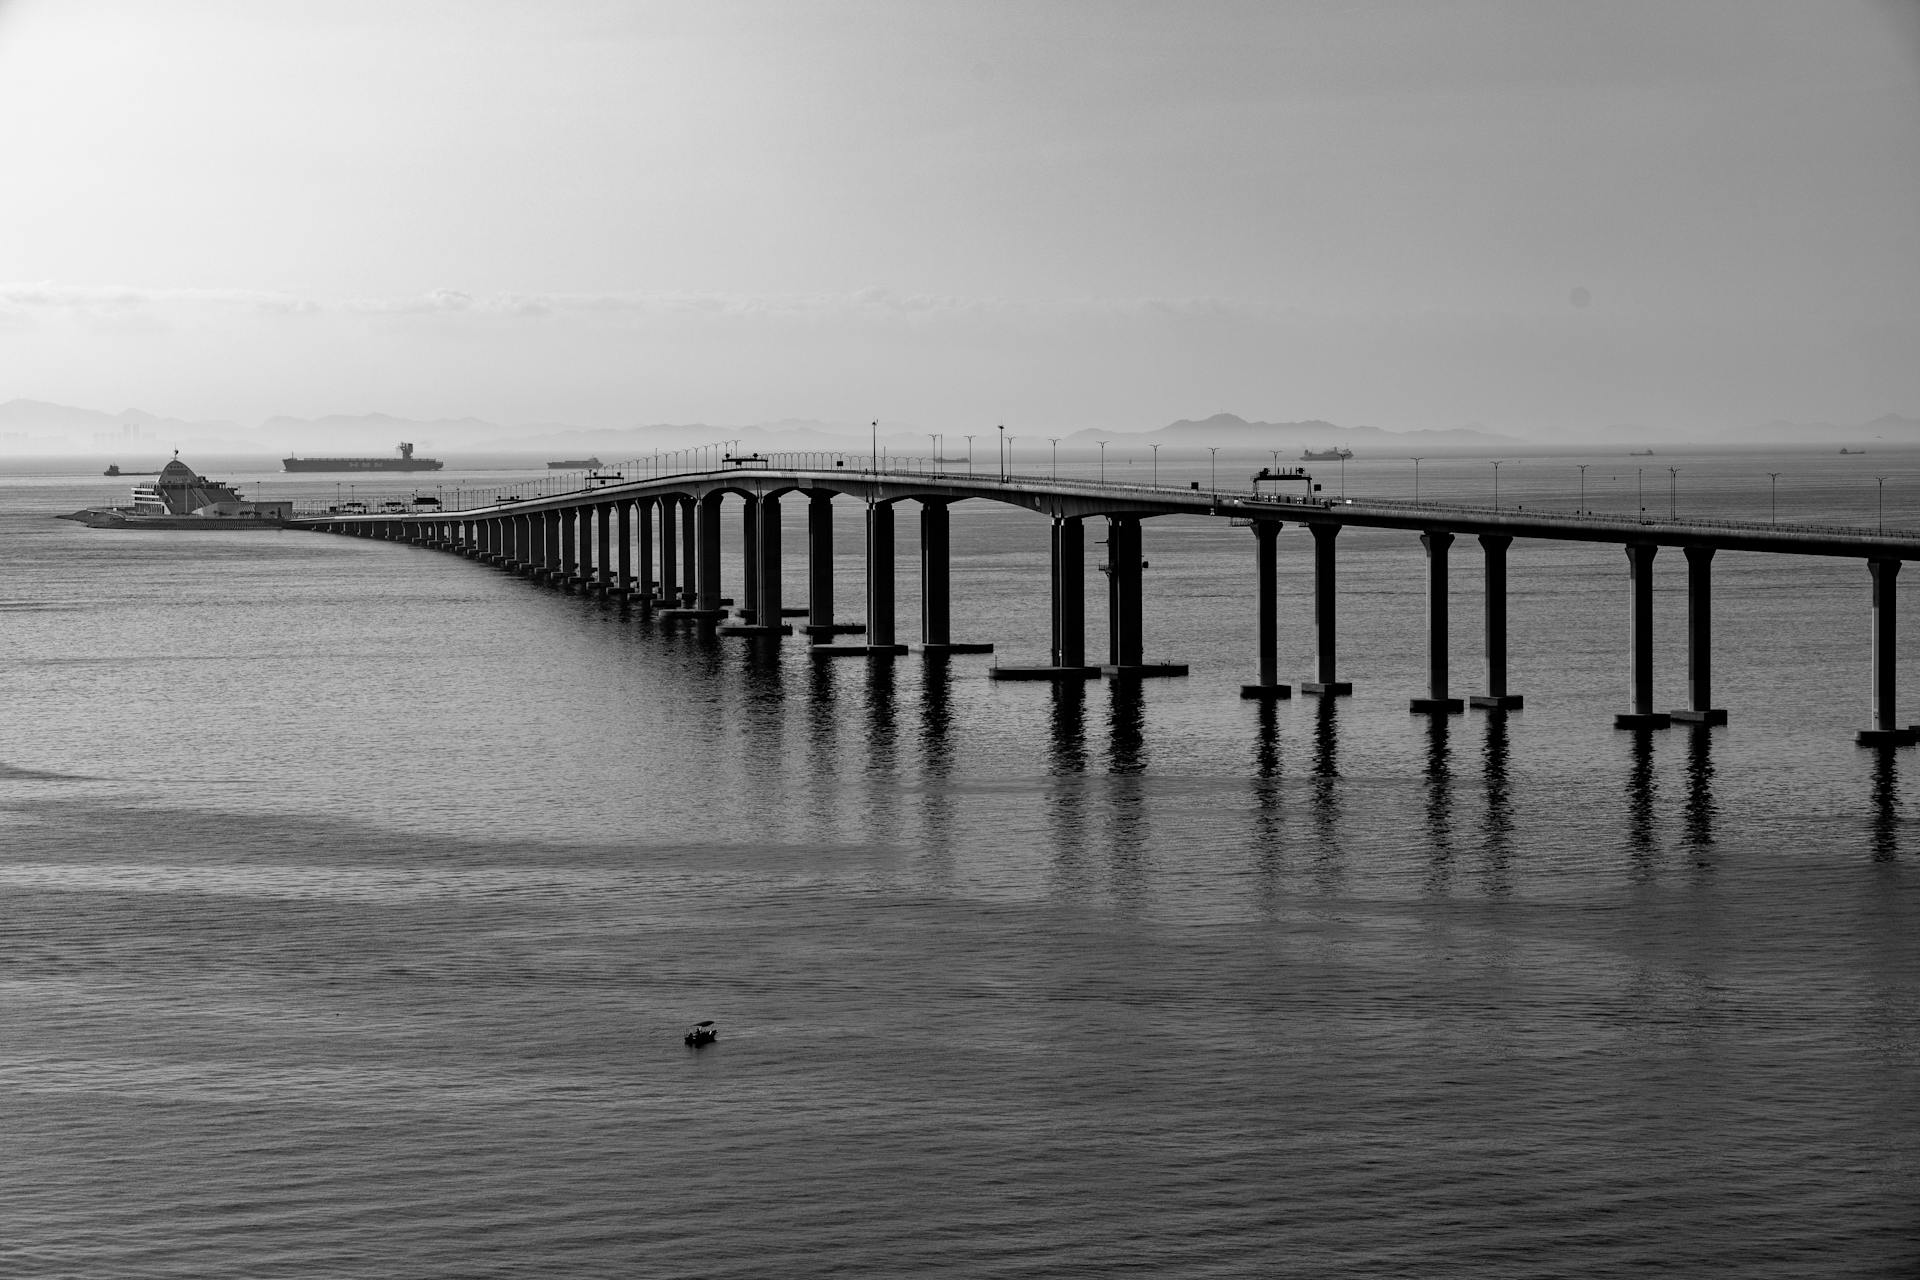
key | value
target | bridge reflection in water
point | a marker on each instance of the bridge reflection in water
(655, 541)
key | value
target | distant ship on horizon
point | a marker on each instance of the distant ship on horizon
(575, 464)
(403, 461)
(1335, 454)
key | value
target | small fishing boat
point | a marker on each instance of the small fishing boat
(703, 1033)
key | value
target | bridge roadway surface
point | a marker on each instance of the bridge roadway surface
(1067, 502)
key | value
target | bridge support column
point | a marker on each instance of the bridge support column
(936, 583)
(700, 525)
(603, 560)
(1436, 542)
(763, 563)
(1126, 642)
(1640, 626)
(1884, 733)
(670, 552)
(644, 510)
(1700, 708)
(580, 541)
(880, 607)
(1496, 698)
(553, 565)
(749, 560)
(623, 572)
(1324, 629)
(693, 541)
(1266, 535)
(1069, 656)
(820, 569)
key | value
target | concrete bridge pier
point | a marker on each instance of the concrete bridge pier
(1266, 534)
(749, 560)
(623, 570)
(1069, 654)
(1640, 626)
(643, 514)
(880, 603)
(1700, 708)
(762, 615)
(1494, 617)
(820, 570)
(936, 584)
(603, 583)
(699, 559)
(1126, 642)
(693, 541)
(1436, 542)
(1324, 629)
(1884, 732)
(669, 552)
(580, 542)
(550, 562)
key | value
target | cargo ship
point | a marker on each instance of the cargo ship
(405, 461)
(1335, 454)
(576, 464)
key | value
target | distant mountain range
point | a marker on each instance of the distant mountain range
(34, 426)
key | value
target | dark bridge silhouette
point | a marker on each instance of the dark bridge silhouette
(656, 541)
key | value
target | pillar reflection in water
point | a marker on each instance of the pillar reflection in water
(1701, 810)
(1326, 773)
(883, 751)
(823, 747)
(938, 813)
(1497, 826)
(1883, 836)
(1067, 799)
(1439, 780)
(1268, 812)
(1642, 791)
(1126, 790)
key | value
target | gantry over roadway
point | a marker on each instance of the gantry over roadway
(655, 539)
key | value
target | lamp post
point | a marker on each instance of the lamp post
(933, 438)
(873, 462)
(1880, 486)
(1640, 491)
(1055, 442)
(1156, 464)
(1103, 460)
(1213, 468)
(1673, 493)
(1496, 485)
(1000, 451)
(1009, 457)
(1581, 509)
(1774, 518)
(969, 440)
(1416, 476)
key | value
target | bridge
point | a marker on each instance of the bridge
(654, 539)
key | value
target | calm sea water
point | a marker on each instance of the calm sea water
(353, 898)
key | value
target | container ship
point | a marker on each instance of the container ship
(575, 464)
(405, 461)
(1335, 454)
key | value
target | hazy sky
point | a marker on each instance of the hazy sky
(1529, 215)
